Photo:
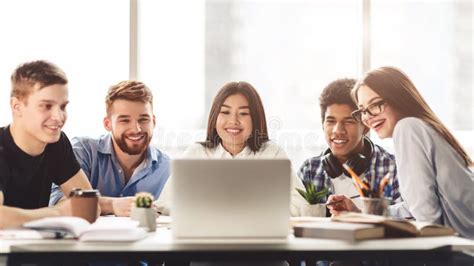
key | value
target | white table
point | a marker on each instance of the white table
(159, 246)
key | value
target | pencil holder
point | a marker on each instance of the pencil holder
(377, 206)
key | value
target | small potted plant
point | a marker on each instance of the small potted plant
(143, 211)
(313, 198)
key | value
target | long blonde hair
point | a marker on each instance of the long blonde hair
(400, 93)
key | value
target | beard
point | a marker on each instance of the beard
(134, 149)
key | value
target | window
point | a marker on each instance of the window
(87, 39)
(288, 49)
(432, 42)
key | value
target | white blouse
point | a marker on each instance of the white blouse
(268, 150)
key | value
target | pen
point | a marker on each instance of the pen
(336, 202)
(372, 185)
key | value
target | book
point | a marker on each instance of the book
(335, 230)
(294, 221)
(29, 234)
(396, 227)
(104, 229)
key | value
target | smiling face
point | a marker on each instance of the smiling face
(131, 124)
(234, 123)
(41, 115)
(343, 133)
(384, 122)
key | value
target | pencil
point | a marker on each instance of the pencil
(359, 190)
(355, 177)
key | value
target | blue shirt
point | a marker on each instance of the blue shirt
(97, 158)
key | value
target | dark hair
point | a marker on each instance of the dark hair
(130, 90)
(337, 92)
(259, 124)
(400, 93)
(41, 72)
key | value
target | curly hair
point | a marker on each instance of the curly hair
(337, 92)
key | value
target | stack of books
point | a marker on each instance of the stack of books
(357, 226)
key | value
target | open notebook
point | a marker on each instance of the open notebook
(104, 229)
(396, 227)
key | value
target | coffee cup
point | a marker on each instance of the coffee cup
(84, 203)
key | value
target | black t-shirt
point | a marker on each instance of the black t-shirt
(26, 180)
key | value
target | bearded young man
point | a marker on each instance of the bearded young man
(123, 162)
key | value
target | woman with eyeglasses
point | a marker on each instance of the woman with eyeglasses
(435, 178)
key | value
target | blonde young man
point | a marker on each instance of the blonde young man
(123, 162)
(34, 152)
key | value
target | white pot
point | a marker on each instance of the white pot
(315, 210)
(145, 216)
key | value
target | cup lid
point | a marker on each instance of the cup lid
(77, 192)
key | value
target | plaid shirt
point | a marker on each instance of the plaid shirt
(382, 163)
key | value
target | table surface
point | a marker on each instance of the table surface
(161, 245)
(162, 240)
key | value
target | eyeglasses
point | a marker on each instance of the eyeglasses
(373, 110)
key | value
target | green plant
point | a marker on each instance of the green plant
(143, 200)
(311, 195)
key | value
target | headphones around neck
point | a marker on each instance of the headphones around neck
(359, 162)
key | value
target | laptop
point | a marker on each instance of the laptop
(230, 199)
